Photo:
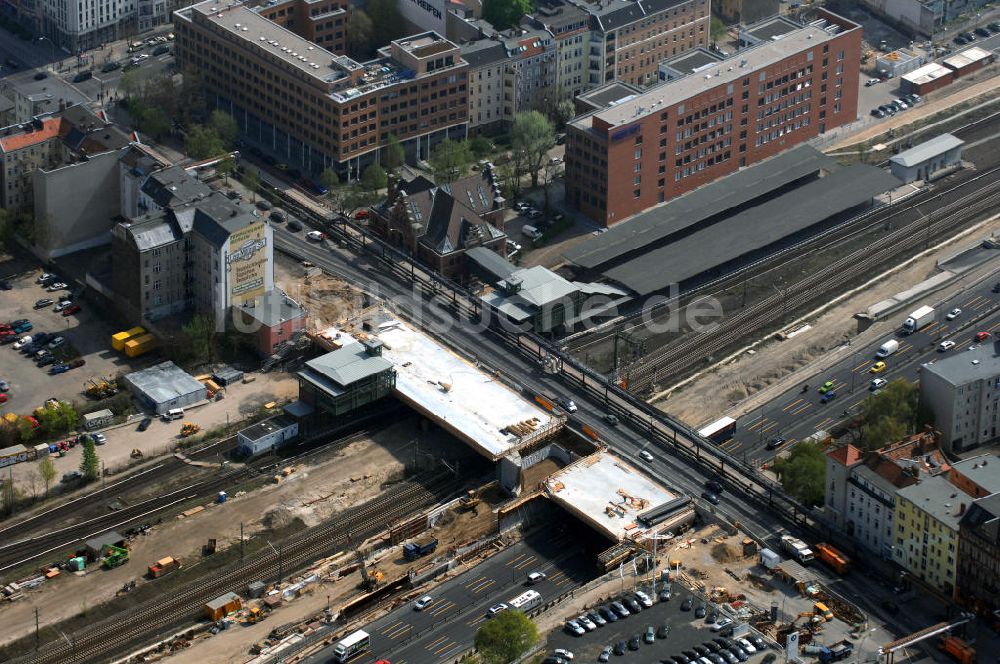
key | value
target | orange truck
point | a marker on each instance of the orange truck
(832, 557)
(163, 566)
(959, 649)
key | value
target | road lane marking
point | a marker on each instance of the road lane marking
(801, 409)
(446, 648)
(444, 608)
(730, 445)
(863, 364)
(514, 561)
(526, 563)
(392, 627)
(756, 424)
(485, 586)
(769, 427)
(473, 623)
(475, 581)
(927, 329)
(983, 305)
(994, 327)
(797, 401)
(394, 633)
(975, 299)
(436, 642)
(824, 422)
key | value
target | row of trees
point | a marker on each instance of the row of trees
(887, 416)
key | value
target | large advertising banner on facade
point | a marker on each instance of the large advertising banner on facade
(246, 263)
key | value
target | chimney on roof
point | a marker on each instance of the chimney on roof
(961, 509)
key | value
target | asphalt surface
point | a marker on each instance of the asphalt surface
(685, 631)
(867, 587)
(448, 625)
(799, 413)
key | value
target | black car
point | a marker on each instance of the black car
(960, 40)
(728, 656)
(619, 648)
(700, 611)
(769, 658)
(161, 49)
(632, 605)
(712, 646)
(889, 607)
(41, 76)
(982, 32)
(110, 66)
(996, 287)
(876, 113)
(83, 76)
(701, 650)
(687, 604)
(739, 652)
(680, 659)
(608, 614)
(994, 27)
(5, 285)
(712, 498)
(715, 659)
(969, 37)
(722, 643)
(633, 643)
(714, 486)
(146, 421)
(757, 642)
(294, 225)
(663, 631)
(712, 617)
(46, 361)
(690, 654)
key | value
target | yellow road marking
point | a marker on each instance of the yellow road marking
(485, 586)
(824, 422)
(445, 647)
(435, 642)
(785, 409)
(769, 427)
(863, 364)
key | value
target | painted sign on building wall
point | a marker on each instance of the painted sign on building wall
(247, 263)
(426, 14)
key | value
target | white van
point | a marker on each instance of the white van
(531, 232)
(173, 414)
(888, 348)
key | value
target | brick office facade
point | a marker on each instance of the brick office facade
(686, 132)
(313, 109)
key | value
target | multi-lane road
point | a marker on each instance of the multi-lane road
(447, 625)
(799, 412)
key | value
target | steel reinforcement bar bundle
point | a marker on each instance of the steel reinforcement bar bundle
(155, 617)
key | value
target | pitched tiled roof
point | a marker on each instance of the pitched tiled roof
(845, 456)
(51, 128)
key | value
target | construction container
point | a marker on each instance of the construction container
(140, 345)
(769, 559)
(222, 606)
(76, 564)
(833, 557)
(957, 648)
(163, 566)
(119, 338)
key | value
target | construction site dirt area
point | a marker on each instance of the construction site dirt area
(305, 491)
(328, 299)
(750, 379)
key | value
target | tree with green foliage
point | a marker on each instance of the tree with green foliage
(449, 160)
(225, 168)
(58, 418)
(387, 22)
(532, 137)
(359, 34)
(503, 14)
(329, 179)
(7, 222)
(891, 414)
(393, 154)
(803, 473)
(134, 82)
(153, 120)
(25, 429)
(481, 147)
(373, 179)
(251, 180)
(90, 464)
(202, 143)
(200, 336)
(225, 127)
(47, 471)
(506, 637)
(562, 112)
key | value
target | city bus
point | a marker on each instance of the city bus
(526, 601)
(720, 431)
(351, 645)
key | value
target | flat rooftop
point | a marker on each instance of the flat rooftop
(470, 403)
(609, 95)
(607, 493)
(266, 427)
(732, 69)
(753, 229)
(967, 57)
(771, 28)
(692, 61)
(929, 72)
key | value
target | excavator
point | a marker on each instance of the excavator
(470, 502)
(370, 578)
(189, 429)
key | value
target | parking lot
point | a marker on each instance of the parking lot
(686, 631)
(86, 335)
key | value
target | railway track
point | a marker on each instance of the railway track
(838, 235)
(40, 537)
(674, 359)
(155, 617)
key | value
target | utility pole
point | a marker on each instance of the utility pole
(241, 542)
(36, 629)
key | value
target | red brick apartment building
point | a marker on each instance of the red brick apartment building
(323, 22)
(312, 109)
(796, 82)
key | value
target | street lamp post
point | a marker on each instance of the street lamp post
(52, 45)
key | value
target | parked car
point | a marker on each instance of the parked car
(46, 360)
(605, 654)
(714, 499)
(722, 624)
(58, 369)
(757, 642)
(563, 653)
(99, 438)
(44, 302)
(633, 643)
(41, 76)
(146, 421)
(687, 604)
(71, 476)
(982, 32)
(56, 343)
(4, 386)
(619, 648)
(294, 225)
(596, 618)
(62, 304)
(574, 628)
(871, 81)
(72, 309)
(644, 599)
(46, 278)
(620, 609)
(878, 113)
(664, 595)
(633, 606)
(22, 342)
(649, 635)
(702, 610)
(161, 50)
(608, 614)
(746, 645)
(57, 286)
(586, 623)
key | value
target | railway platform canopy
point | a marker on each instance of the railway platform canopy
(736, 220)
(473, 404)
(609, 495)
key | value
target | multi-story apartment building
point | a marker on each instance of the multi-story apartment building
(629, 38)
(529, 79)
(80, 25)
(315, 110)
(487, 59)
(323, 22)
(861, 488)
(979, 557)
(963, 392)
(927, 517)
(569, 25)
(685, 132)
